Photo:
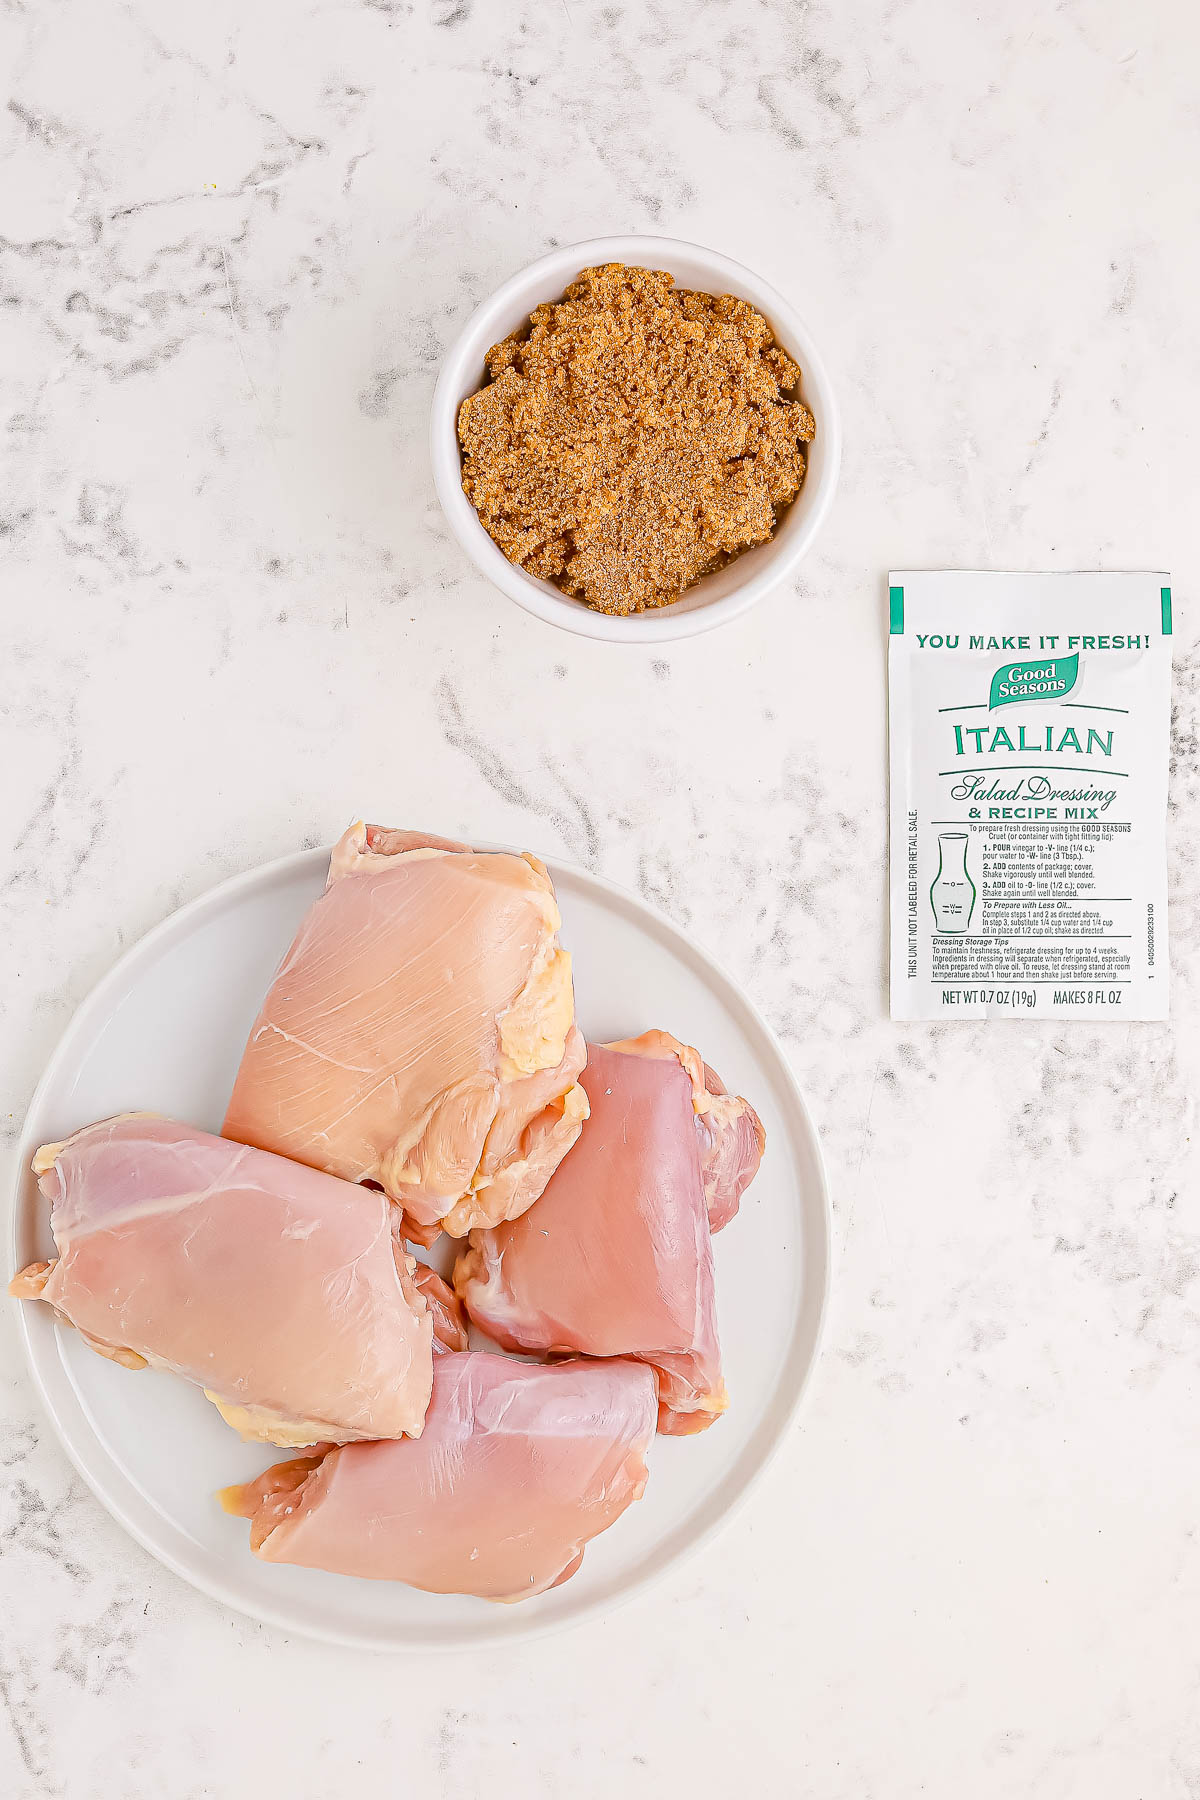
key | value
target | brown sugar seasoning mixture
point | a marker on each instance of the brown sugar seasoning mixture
(634, 437)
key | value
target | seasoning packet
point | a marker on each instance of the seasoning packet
(1029, 729)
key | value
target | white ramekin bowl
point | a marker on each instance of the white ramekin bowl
(717, 598)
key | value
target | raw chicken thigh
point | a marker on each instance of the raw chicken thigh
(616, 1259)
(420, 1033)
(519, 1466)
(286, 1295)
(731, 1136)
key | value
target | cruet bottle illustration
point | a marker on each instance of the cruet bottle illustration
(953, 891)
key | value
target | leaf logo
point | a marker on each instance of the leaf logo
(1048, 679)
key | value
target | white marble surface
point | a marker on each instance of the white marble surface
(236, 239)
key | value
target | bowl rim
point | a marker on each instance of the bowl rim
(539, 598)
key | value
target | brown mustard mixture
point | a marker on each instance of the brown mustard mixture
(633, 438)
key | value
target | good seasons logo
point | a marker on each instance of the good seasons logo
(1049, 679)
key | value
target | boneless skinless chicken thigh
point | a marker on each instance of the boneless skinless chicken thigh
(728, 1130)
(420, 1033)
(616, 1258)
(286, 1295)
(519, 1466)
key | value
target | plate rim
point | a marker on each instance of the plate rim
(249, 1605)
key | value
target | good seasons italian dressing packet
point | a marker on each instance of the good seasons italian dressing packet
(1030, 719)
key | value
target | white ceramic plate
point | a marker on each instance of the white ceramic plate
(164, 1032)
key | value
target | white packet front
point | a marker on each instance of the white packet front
(1029, 732)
